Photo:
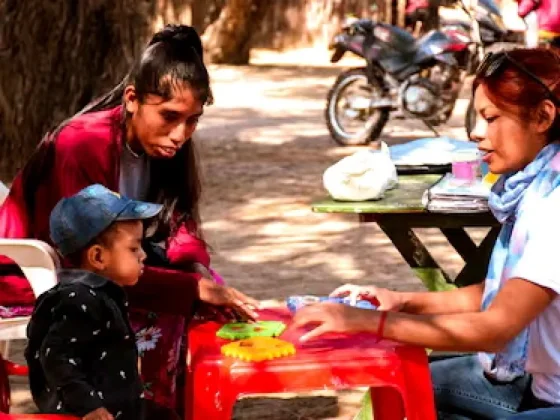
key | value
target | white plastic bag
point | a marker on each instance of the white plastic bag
(365, 175)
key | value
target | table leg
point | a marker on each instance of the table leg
(418, 383)
(428, 270)
(387, 404)
(461, 241)
(209, 402)
(418, 257)
(476, 267)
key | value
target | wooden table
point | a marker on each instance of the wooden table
(401, 211)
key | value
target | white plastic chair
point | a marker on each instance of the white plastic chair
(3, 192)
(39, 263)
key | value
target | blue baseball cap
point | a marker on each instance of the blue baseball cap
(76, 221)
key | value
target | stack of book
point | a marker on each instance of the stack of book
(451, 195)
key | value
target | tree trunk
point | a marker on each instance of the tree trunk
(57, 55)
(205, 13)
(290, 23)
(228, 39)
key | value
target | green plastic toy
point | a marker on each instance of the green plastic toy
(242, 330)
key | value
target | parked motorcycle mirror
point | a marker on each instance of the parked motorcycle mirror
(475, 23)
(467, 7)
(470, 7)
(464, 5)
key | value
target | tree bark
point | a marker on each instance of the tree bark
(228, 39)
(204, 13)
(57, 55)
(290, 23)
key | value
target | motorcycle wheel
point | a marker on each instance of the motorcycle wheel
(370, 122)
(470, 118)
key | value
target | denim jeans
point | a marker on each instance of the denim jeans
(552, 413)
(462, 392)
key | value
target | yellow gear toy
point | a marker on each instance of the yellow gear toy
(256, 349)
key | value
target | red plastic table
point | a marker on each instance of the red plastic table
(398, 374)
(7, 369)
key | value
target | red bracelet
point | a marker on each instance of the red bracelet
(381, 326)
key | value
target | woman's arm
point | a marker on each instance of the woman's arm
(185, 249)
(176, 291)
(466, 299)
(460, 300)
(514, 307)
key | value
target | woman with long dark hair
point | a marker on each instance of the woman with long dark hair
(136, 140)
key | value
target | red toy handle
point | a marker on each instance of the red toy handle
(14, 369)
(7, 369)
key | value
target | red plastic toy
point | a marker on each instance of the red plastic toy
(8, 369)
(398, 375)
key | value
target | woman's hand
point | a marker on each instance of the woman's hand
(99, 414)
(386, 299)
(331, 317)
(215, 294)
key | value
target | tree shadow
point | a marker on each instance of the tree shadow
(264, 151)
(268, 242)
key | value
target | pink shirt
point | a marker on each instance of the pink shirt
(548, 13)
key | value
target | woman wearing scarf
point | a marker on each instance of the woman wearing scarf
(511, 319)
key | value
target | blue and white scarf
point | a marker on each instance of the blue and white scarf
(506, 201)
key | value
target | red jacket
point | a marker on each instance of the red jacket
(87, 151)
(548, 13)
(413, 5)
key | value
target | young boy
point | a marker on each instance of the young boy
(81, 353)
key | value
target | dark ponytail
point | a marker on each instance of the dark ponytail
(179, 34)
(172, 59)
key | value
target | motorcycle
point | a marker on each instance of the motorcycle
(485, 30)
(420, 78)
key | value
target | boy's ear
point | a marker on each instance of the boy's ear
(95, 256)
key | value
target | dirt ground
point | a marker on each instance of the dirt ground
(263, 147)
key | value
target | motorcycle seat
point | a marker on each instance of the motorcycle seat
(400, 39)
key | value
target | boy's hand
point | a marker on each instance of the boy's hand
(99, 414)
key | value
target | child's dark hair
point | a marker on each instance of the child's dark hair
(173, 57)
(105, 239)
